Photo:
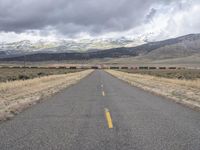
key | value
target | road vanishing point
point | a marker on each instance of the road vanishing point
(103, 113)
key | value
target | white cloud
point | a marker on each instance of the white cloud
(34, 36)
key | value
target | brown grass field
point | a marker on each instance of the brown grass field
(12, 74)
(188, 74)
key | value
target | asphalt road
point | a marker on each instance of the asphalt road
(103, 113)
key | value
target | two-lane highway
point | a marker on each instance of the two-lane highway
(103, 113)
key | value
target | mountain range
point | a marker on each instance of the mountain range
(61, 46)
(183, 46)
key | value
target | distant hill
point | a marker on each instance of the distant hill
(172, 48)
(183, 47)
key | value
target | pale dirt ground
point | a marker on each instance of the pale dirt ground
(18, 95)
(182, 91)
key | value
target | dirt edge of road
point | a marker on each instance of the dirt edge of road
(169, 88)
(16, 96)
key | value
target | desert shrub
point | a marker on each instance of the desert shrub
(23, 77)
(41, 74)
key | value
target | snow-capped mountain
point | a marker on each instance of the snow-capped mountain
(58, 46)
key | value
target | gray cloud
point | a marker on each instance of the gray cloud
(72, 16)
(151, 14)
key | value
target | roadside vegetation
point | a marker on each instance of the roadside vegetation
(183, 74)
(12, 74)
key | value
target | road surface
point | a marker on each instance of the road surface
(103, 113)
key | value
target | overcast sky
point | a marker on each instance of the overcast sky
(75, 19)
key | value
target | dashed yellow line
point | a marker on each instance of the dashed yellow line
(109, 119)
(103, 93)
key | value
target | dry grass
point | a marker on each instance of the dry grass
(12, 74)
(17, 95)
(186, 83)
(188, 74)
(183, 91)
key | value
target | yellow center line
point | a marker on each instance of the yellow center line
(103, 93)
(109, 119)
